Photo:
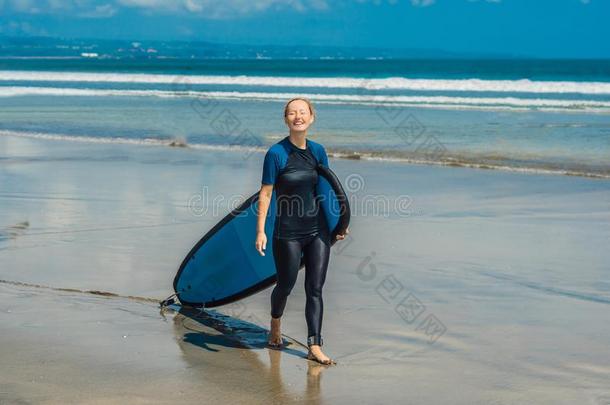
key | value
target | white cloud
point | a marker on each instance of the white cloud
(210, 9)
(422, 3)
(44, 6)
(149, 3)
(23, 6)
(415, 3)
(193, 6)
(21, 28)
(101, 11)
(226, 8)
(202, 8)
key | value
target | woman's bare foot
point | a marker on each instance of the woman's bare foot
(275, 336)
(316, 354)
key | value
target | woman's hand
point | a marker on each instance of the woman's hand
(261, 243)
(342, 236)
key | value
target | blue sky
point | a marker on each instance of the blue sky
(541, 28)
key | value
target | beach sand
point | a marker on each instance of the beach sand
(462, 286)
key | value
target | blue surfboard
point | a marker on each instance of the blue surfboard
(224, 266)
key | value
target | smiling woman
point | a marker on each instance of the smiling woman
(301, 232)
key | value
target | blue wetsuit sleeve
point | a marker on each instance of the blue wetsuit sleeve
(270, 168)
(323, 157)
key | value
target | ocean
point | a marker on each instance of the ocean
(531, 116)
(473, 286)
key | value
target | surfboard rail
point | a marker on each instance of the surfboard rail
(335, 204)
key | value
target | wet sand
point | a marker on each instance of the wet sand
(60, 347)
(482, 287)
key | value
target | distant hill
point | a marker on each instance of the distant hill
(98, 48)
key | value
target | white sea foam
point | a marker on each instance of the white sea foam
(496, 103)
(397, 83)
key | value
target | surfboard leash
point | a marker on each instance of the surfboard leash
(168, 301)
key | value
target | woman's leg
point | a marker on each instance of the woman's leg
(287, 256)
(317, 254)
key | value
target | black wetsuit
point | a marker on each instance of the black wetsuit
(300, 228)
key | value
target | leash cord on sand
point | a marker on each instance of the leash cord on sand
(76, 290)
(163, 304)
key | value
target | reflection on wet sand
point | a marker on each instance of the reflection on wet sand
(208, 340)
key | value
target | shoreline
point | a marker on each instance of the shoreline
(449, 162)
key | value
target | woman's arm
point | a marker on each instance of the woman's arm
(264, 200)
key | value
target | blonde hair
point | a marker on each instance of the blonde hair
(309, 104)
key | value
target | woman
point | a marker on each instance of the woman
(300, 225)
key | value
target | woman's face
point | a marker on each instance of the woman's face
(298, 117)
